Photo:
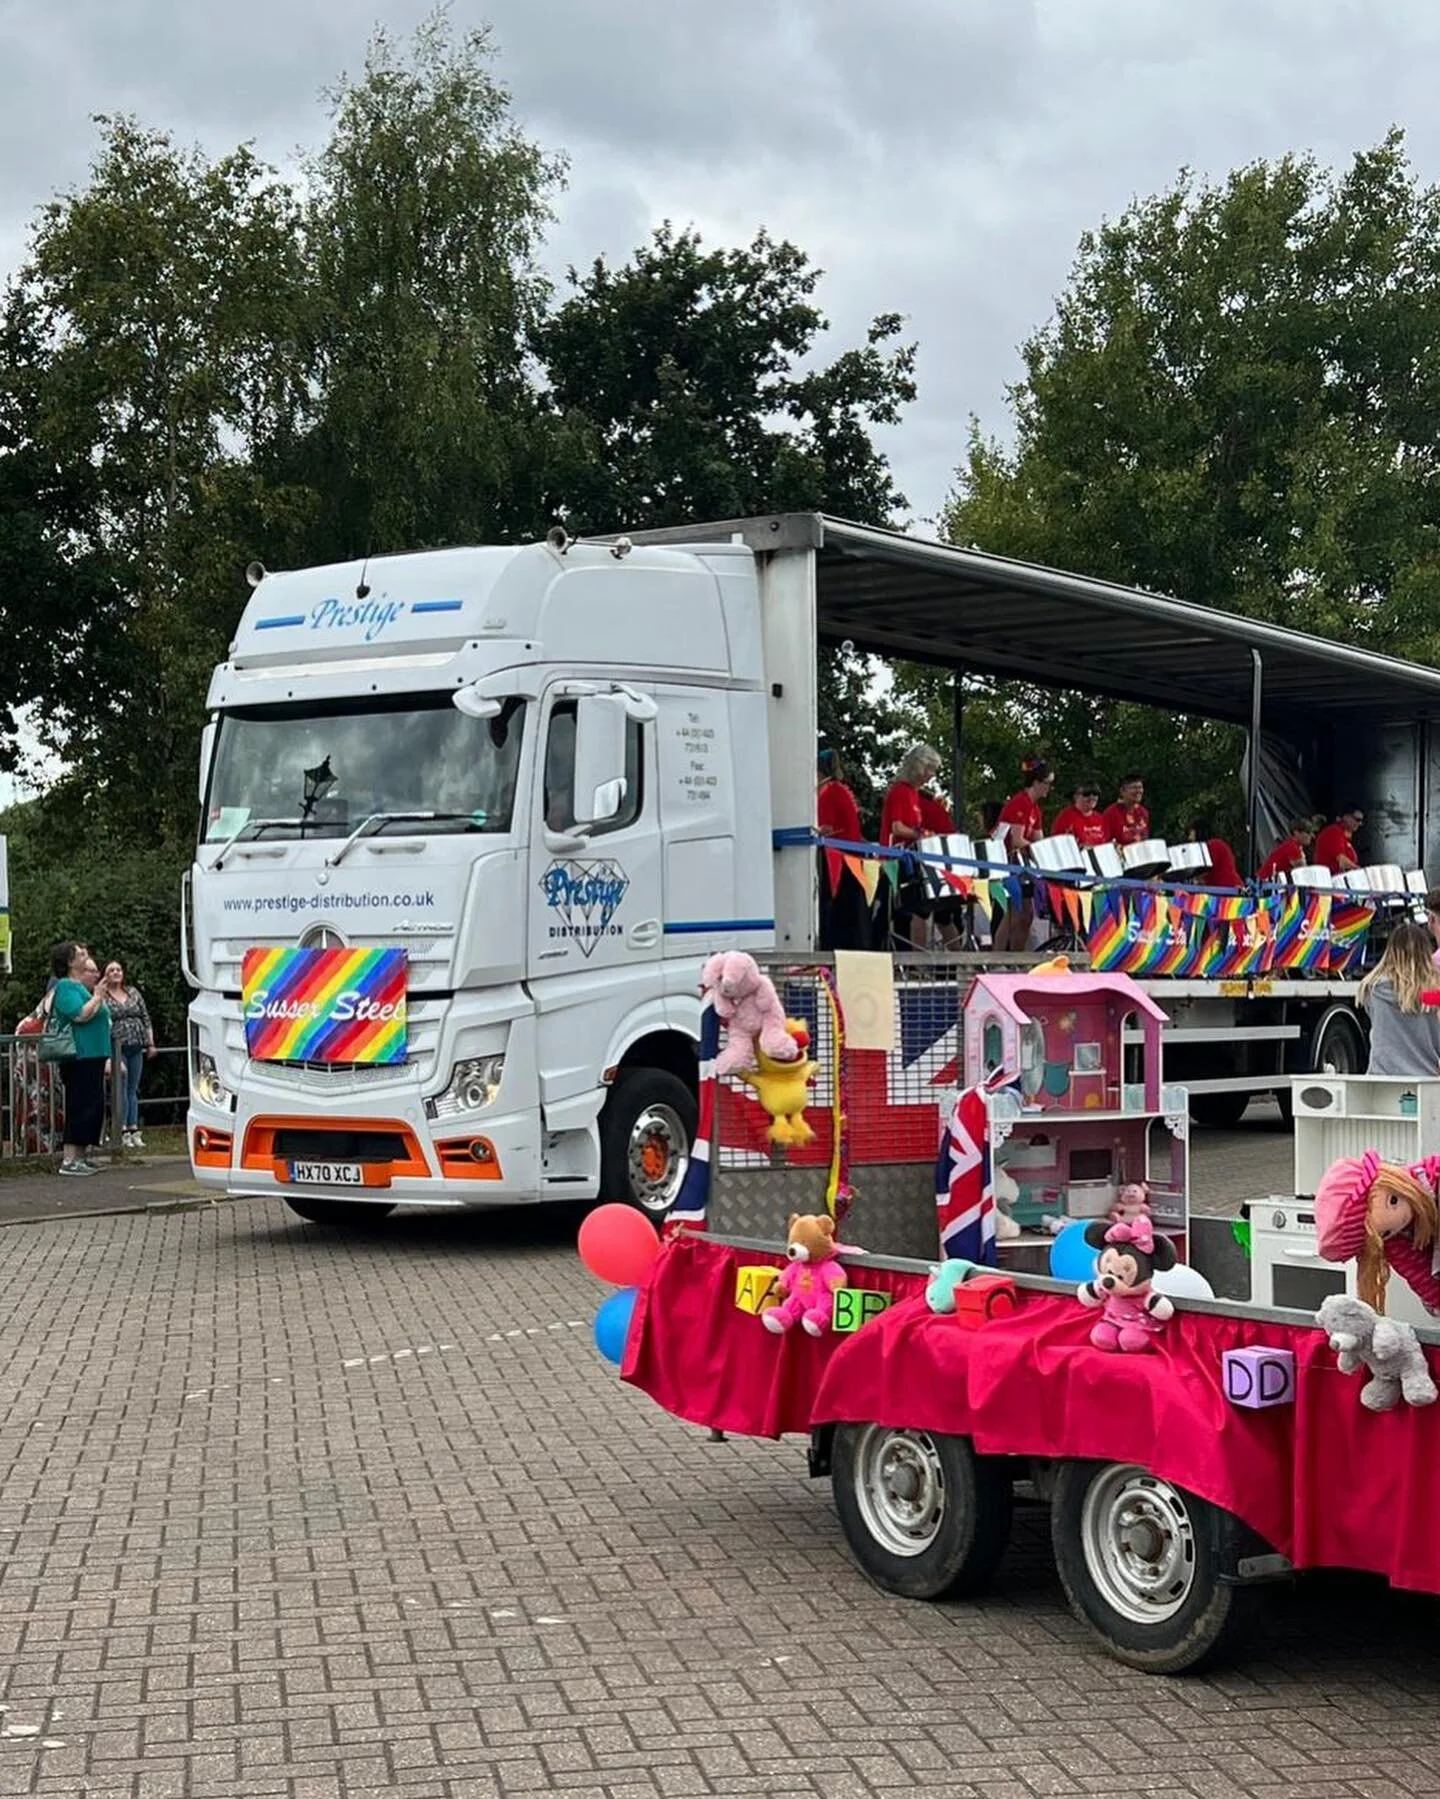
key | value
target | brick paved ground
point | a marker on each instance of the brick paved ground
(289, 1513)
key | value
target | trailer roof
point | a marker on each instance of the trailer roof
(931, 602)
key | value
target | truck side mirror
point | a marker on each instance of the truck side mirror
(207, 750)
(600, 720)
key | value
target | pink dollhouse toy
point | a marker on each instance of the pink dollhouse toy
(1076, 1102)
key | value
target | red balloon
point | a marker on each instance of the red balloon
(618, 1244)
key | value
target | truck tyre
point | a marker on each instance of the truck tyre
(1338, 1047)
(1222, 1110)
(925, 1517)
(338, 1211)
(1138, 1560)
(646, 1133)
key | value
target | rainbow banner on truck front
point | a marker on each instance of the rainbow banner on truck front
(325, 1005)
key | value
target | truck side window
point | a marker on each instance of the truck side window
(560, 774)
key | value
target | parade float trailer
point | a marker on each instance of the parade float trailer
(1180, 1483)
(472, 820)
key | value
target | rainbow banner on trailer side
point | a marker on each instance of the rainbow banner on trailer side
(325, 1005)
(1302, 932)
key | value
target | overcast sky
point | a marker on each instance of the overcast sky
(938, 158)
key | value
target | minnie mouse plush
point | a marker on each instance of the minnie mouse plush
(1130, 1254)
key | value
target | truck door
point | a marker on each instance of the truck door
(595, 923)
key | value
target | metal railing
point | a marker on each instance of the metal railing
(32, 1098)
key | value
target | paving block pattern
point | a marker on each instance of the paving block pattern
(291, 1514)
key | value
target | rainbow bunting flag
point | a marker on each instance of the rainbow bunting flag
(1302, 932)
(1349, 926)
(325, 1005)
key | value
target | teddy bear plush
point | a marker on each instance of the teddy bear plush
(1387, 1347)
(1131, 1201)
(809, 1278)
(749, 1007)
(1130, 1255)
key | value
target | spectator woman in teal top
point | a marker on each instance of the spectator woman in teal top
(75, 1000)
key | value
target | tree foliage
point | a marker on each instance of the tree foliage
(141, 364)
(1237, 402)
(678, 379)
(425, 213)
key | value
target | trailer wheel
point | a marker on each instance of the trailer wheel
(339, 1211)
(1138, 1560)
(925, 1517)
(646, 1132)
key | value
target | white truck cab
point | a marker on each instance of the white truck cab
(528, 769)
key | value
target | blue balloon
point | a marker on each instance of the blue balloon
(612, 1324)
(1071, 1257)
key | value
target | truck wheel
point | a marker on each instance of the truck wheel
(925, 1517)
(339, 1211)
(1137, 1558)
(646, 1131)
(1338, 1047)
(1222, 1110)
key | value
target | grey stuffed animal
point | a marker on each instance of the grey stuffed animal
(1387, 1347)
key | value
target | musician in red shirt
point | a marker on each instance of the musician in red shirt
(844, 909)
(1127, 820)
(1335, 846)
(1224, 870)
(1082, 819)
(902, 825)
(1022, 823)
(1291, 852)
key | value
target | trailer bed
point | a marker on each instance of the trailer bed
(1324, 1482)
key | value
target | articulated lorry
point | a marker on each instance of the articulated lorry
(514, 797)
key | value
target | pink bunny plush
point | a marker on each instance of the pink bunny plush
(749, 1007)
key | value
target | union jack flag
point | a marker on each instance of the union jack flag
(693, 1200)
(964, 1183)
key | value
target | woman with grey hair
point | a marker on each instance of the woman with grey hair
(901, 827)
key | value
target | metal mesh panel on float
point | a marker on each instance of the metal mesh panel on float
(891, 1097)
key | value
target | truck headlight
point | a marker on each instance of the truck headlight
(473, 1086)
(206, 1085)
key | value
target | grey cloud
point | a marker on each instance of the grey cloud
(939, 158)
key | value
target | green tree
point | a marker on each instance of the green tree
(1238, 402)
(141, 361)
(685, 385)
(426, 211)
(676, 379)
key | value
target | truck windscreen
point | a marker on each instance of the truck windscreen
(407, 764)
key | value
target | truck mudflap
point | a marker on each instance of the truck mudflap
(1292, 1485)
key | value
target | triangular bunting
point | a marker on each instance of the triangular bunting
(834, 868)
(867, 873)
(1086, 901)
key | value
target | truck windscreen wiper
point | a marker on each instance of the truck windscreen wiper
(363, 829)
(476, 819)
(252, 827)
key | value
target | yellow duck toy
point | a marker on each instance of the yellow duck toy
(783, 1089)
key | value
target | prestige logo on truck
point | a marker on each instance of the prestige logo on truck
(584, 898)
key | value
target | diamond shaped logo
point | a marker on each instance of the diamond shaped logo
(583, 898)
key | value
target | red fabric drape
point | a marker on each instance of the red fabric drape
(1324, 1481)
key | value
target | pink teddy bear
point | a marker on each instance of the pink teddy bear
(749, 1007)
(809, 1278)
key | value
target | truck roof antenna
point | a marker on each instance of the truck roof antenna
(362, 588)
